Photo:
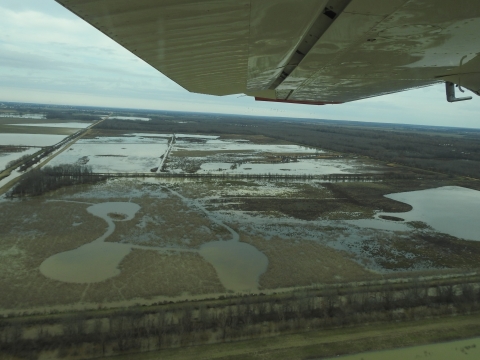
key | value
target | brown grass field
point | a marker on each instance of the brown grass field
(305, 263)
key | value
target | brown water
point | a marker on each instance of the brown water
(98, 260)
(238, 265)
(452, 210)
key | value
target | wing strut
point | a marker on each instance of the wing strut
(450, 88)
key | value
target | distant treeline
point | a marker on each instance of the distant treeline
(40, 181)
(68, 115)
(12, 148)
(449, 151)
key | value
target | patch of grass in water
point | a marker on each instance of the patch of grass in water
(240, 183)
(391, 218)
(419, 225)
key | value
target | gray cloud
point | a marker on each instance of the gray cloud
(31, 61)
(76, 64)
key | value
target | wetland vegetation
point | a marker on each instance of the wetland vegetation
(245, 232)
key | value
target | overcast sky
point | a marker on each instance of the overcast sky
(48, 55)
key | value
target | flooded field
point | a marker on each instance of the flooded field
(179, 232)
(39, 140)
(8, 156)
(146, 240)
(125, 240)
(130, 118)
(212, 155)
(135, 153)
(113, 157)
(22, 116)
(203, 154)
(65, 124)
(311, 167)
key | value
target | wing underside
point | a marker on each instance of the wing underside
(309, 51)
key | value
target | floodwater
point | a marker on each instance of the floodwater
(130, 118)
(238, 264)
(96, 261)
(153, 135)
(25, 116)
(114, 157)
(302, 167)
(462, 349)
(451, 210)
(208, 137)
(30, 139)
(128, 139)
(89, 263)
(14, 174)
(69, 125)
(5, 158)
(379, 224)
(247, 147)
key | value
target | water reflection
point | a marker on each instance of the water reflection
(89, 263)
(238, 264)
(451, 210)
(98, 260)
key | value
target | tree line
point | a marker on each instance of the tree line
(39, 181)
(70, 115)
(244, 317)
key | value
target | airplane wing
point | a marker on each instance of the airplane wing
(304, 51)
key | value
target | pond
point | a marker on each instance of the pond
(451, 210)
(238, 265)
(98, 260)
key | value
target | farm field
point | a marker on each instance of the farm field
(226, 155)
(127, 155)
